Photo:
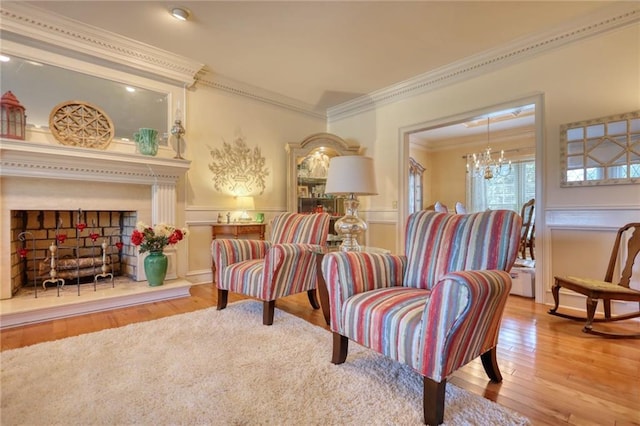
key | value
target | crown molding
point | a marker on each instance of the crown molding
(44, 27)
(217, 81)
(617, 16)
(474, 141)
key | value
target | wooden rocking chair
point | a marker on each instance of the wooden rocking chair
(605, 290)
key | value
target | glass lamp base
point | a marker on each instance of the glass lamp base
(350, 226)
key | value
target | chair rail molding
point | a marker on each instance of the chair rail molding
(30, 22)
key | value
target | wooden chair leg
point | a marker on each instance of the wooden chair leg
(607, 308)
(433, 404)
(340, 348)
(555, 291)
(313, 298)
(490, 364)
(532, 247)
(223, 296)
(268, 310)
(592, 304)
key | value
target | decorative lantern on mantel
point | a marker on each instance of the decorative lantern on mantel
(12, 117)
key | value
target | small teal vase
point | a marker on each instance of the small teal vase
(155, 266)
(147, 141)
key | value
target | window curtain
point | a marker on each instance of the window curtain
(502, 192)
(476, 194)
(416, 172)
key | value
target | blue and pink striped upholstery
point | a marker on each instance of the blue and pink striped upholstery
(268, 270)
(437, 307)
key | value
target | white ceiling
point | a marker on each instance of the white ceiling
(325, 53)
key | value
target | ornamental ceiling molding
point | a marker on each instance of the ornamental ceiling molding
(216, 81)
(520, 50)
(36, 24)
(42, 26)
(238, 169)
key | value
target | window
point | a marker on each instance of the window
(601, 151)
(416, 171)
(503, 192)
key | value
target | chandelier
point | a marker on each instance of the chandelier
(484, 165)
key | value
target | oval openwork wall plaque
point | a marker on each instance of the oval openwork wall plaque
(81, 124)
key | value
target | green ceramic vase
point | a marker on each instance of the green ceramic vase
(147, 141)
(155, 266)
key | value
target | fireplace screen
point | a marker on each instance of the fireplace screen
(53, 248)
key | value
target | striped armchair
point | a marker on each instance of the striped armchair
(268, 270)
(435, 308)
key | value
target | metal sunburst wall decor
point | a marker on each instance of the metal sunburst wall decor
(238, 168)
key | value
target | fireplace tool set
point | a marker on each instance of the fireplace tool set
(68, 264)
(53, 250)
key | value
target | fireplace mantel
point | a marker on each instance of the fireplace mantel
(34, 175)
(41, 160)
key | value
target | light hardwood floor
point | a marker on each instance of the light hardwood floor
(553, 373)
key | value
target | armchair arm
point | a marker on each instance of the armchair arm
(349, 273)
(289, 269)
(227, 252)
(462, 320)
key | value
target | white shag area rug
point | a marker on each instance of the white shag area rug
(219, 368)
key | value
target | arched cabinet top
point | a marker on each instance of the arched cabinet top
(317, 140)
(299, 150)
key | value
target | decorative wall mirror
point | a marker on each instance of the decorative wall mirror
(41, 80)
(308, 162)
(602, 151)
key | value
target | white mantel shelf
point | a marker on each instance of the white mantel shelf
(29, 159)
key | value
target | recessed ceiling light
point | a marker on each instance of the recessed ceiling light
(4, 58)
(180, 13)
(130, 89)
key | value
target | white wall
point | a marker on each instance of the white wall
(215, 116)
(591, 78)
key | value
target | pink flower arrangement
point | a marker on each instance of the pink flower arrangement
(157, 237)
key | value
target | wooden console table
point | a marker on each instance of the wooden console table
(234, 230)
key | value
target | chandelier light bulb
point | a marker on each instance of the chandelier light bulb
(484, 165)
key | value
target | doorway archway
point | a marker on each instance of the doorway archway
(406, 134)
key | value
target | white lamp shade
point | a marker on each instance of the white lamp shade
(351, 174)
(245, 203)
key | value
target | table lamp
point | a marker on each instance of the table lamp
(351, 175)
(244, 204)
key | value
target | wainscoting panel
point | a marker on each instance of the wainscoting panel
(578, 243)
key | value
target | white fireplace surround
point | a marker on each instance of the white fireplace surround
(43, 176)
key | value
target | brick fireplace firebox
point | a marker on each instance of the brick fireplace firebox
(96, 245)
(50, 177)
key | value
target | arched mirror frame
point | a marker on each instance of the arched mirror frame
(298, 150)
